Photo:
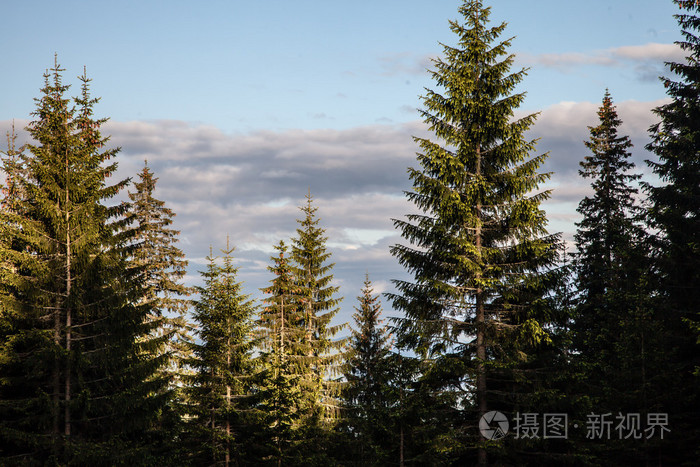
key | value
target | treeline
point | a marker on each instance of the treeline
(508, 351)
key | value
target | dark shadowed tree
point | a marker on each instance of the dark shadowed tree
(162, 267)
(675, 217)
(615, 338)
(367, 372)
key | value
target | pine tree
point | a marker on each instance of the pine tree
(395, 410)
(614, 336)
(479, 252)
(77, 380)
(159, 266)
(318, 305)
(675, 216)
(10, 161)
(162, 266)
(367, 373)
(283, 361)
(222, 361)
(606, 236)
(11, 165)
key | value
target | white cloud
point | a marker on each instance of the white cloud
(651, 51)
(569, 59)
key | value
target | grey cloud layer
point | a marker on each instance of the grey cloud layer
(563, 127)
(267, 166)
(248, 186)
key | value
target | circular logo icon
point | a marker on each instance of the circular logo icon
(493, 425)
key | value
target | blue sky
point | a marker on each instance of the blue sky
(243, 65)
(240, 107)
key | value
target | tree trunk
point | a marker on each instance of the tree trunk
(278, 355)
(228, 400)
(67, 428)
(480, 321)
(56, 377)
(401, 446)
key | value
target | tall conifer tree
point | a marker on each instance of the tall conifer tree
(162, 266)
(318, 304)
(10, 161)
(614, 336)
(283, 361)
(368, 371)
(479, 250)
(77, 384)
(675, 215)
(222, 361)
(607, 237)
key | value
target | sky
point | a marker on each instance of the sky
(242, 107)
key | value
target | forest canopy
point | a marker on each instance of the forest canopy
(502, 346)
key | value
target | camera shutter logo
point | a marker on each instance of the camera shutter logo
(493, 425)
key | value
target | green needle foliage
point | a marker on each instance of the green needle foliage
(608, 238)
(367, 372)
(479, 250)
(284, 360)
(219, 390)
(615, 338)
(317, 306)
(162, 266)
(77, 372)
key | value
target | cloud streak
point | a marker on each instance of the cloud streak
(405, 63)
(646, 60)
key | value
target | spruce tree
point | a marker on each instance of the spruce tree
(159, 266)
(479, 250)
(283, 362)
(11, 165)
(675, 217)
(219, 390)
(606, 237)
(615, 339)
(318, 304)
(10, 161)
(77, 382)
(367, 373)
(162, 266)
